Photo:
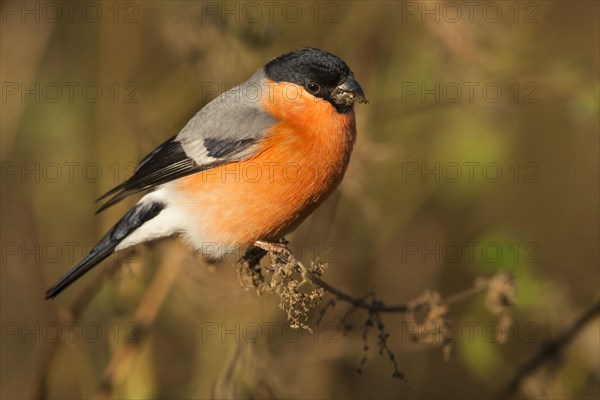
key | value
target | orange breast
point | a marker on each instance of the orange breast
(302, 159)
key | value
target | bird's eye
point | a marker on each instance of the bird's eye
(313, 87)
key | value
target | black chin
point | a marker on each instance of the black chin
(342, 108)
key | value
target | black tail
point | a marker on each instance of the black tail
(134, 218)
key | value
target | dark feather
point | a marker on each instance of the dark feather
(225, 130)
(219, 148)
(168, 162)
(129, 223)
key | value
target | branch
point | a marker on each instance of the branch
(549, 351)
(286, 277)
(379, 307)
(280, 252)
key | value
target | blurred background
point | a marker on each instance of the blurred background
(478, 152)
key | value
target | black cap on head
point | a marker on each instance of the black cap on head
(319, 72)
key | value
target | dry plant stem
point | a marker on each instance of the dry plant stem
(379, 306)
(500, 290)
(356, 302)
(277, 249)
(272, 247)
(549, 351)
(144, 317)
(71, 313)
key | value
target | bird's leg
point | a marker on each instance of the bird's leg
(278, 248)
(252, 256)
(271, 246)
(256, 252)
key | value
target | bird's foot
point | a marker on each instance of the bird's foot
(272, 247)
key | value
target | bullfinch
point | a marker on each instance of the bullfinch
(249, 167)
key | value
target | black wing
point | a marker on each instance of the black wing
(167, 162)
(225, 130)
(170, 161)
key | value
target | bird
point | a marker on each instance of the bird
(246, 169)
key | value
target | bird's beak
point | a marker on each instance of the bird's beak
(348, 92)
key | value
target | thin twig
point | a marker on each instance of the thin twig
(549, 351)
(382, 308)
(276, 250)
(357, 302)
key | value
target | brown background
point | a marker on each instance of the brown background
(392, 227)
